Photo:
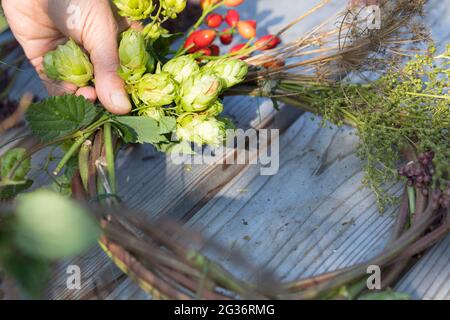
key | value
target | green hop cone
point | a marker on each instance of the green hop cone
(50, 226)
(9, 161)
(154, 31)
(214, 110)
(69, 63)
(232, 71)
(200, 90)
(152, 112)
(181, 68)
(155, 90)
(134, 59)
(200, 130)
(134, 9)
(173, 7)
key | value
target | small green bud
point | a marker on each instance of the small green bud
(200, 90)
(69, 63)
(232, 71)
(10, 159)
(173, 7)
(181, 68)
(154, 31)
(134, 59)
(134, 9)
(200, 130)
(155, 90)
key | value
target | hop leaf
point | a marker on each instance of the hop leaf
(69, 63)
(232, 71)
(134, 59)
(200, 90)
(155, 90)
(134, 9)
(181, 68)
(59, 116)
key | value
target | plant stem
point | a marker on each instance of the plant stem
(109, 149)
(77, 144)
(412, 199)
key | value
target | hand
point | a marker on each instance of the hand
(41, 25)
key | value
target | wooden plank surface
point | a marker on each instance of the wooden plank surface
(311, 217)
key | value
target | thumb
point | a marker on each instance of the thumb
(101, 43)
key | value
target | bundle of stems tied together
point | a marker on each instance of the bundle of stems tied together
(177, 97)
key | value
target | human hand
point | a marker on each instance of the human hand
(41, 25)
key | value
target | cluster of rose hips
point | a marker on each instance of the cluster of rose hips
(202, 41)
(420, 175)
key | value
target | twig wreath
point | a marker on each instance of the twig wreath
(402, 120)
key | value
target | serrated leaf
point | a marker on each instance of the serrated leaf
(145, 130)
(9, 192)
(59, 116)
(167, 125)
(127, 134)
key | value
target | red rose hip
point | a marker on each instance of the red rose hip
(267, 42)
(204, 38)
(233, 3)
(226, 37)
(215, 50)
(214, 20)
(246, 29)
(232, 18)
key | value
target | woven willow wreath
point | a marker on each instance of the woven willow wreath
(306, 73)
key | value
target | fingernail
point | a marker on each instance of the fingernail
(120, 102)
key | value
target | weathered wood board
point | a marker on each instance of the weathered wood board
(311, 217)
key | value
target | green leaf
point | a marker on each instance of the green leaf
(30, 273)
(143, 129)
(385, 295)
(167, 125)
(127, 134)
(56, 117)
(9, 192)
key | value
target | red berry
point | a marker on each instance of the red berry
(189, 44)
(232, 18)
(204, 38)
(233, 3)
(226, 37)
(253, 23)
(237, 48)
(215, 50)
(204, 51)
(207, 3)
(275, 64)
(214, 20)
(246, 29)
(267, 42)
